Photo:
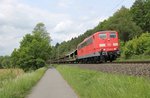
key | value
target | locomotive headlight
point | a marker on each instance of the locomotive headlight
(115, 44)
(102, 45)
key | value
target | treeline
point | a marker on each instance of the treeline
(130, 23)
(34, 51)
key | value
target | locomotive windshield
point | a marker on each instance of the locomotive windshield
(102, 35)
(112, 35)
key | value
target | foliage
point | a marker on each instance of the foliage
(93, 84)
(137, 46)
(34, 51)
(5, 62)
(19, 87)
(122, 22)
(141, 14)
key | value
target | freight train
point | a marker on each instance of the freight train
(101, 46)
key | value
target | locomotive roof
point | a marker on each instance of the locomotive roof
(105, 31)
(94, 34)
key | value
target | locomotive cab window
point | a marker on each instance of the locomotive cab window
(102, 35)
(113, 35)
(89, 41)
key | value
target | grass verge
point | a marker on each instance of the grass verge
(18, 87)
(135, 58)
(93, 84)
(9, 74)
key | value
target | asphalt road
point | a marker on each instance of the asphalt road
(52, 85)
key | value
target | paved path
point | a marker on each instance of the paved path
(52, 85)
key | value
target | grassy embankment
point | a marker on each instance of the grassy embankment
(14, 83)
(9, 74)
(135, 58)
(93, 84)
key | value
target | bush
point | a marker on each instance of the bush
(137, 46)
(29, 63)
(40, 63)
(5, 62)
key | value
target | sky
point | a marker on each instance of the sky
(63, 19)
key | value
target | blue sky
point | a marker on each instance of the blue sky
(64, 19)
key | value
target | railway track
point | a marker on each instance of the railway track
(134, 68)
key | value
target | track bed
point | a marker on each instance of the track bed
(135, 69)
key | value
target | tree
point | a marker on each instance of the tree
(40, 30)
(34, 50)
(5, 62)
(122, 22)
(137, 46)
(141, 14)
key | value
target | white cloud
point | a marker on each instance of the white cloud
(18, 19)
(64, 3)
(65, 30)
(63, 25)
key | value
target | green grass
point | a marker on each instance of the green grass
(9, 74)
(93, 84)
(19, 87)
(136, 58)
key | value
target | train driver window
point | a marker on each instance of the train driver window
(112, 35)
(102, 35)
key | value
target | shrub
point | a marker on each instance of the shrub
(137, 46)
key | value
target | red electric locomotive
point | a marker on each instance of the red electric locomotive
(99, 47)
